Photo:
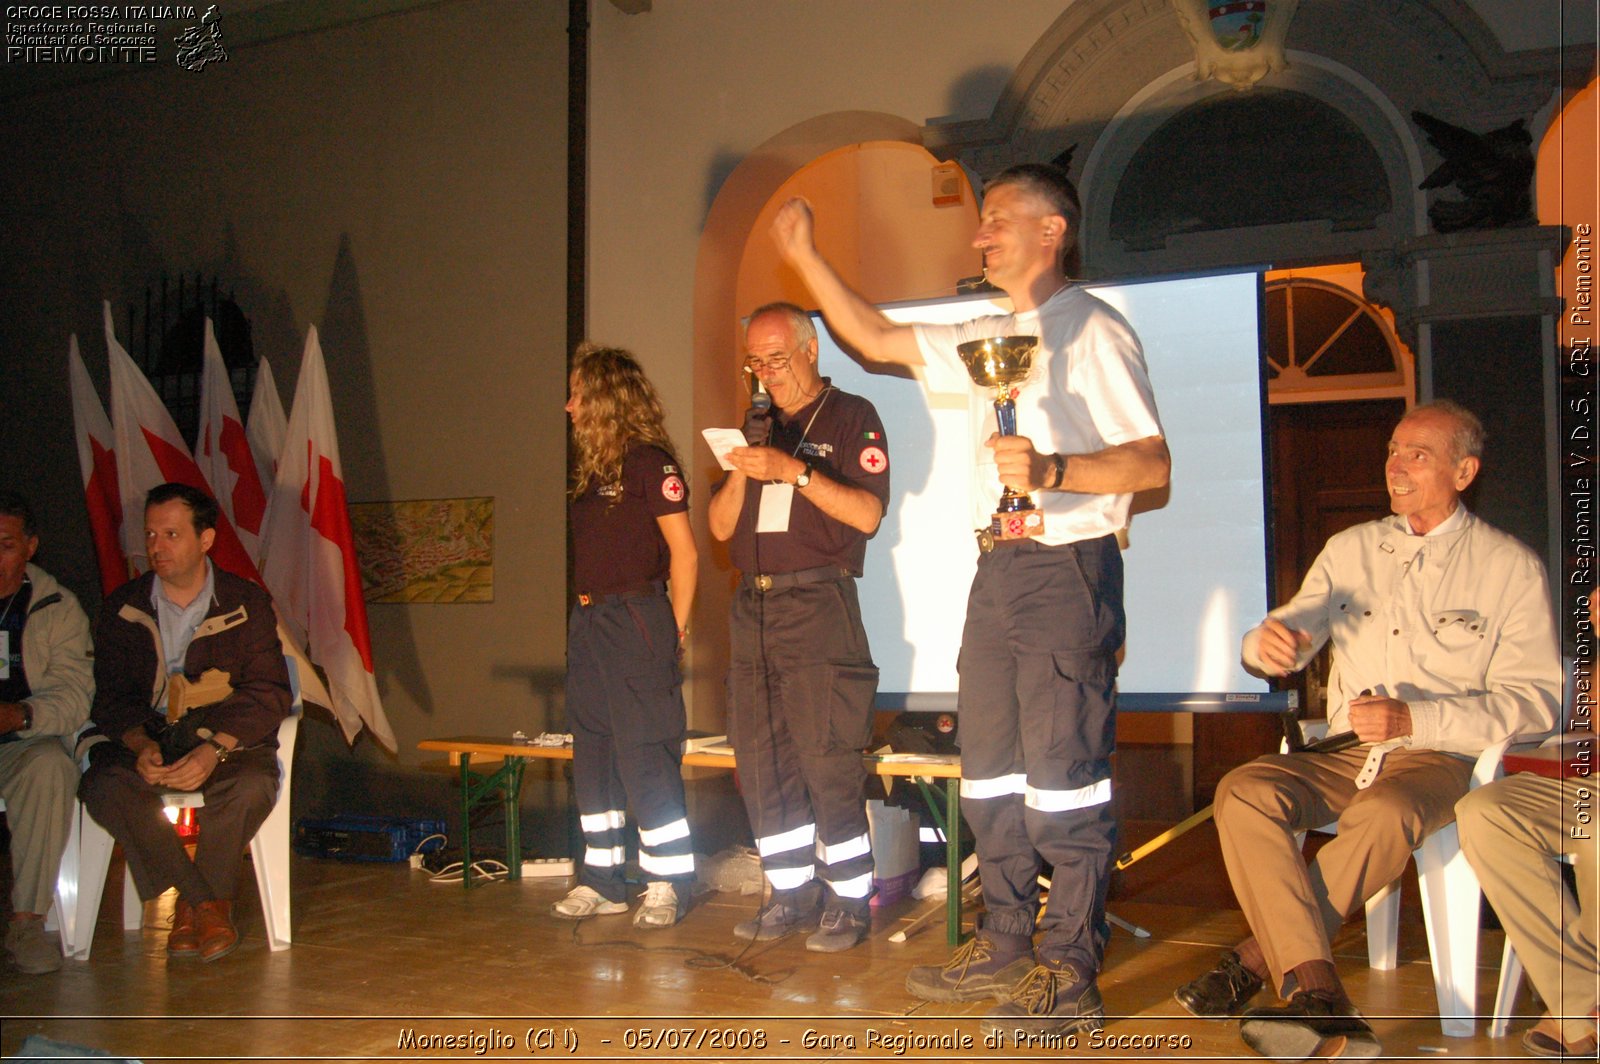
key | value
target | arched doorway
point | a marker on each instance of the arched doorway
(1338, 377)
(885, 219)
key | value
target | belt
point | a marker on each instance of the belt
(642, 591)
(779, 581)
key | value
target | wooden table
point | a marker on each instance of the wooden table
(505, 784)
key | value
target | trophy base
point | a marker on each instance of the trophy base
(1006, 527)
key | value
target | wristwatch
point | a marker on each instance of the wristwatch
(223, 752)
(1059, 463)
(804, 478)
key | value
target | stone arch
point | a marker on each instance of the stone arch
(1108, 73)
(1341, 107)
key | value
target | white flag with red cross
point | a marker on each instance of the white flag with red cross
(266, 425)
(151, 451)
(97, 461)
(309, 558)
(222, 450)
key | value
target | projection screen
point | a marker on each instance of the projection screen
(1196, 560)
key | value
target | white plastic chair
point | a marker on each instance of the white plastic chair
(269, 853)
(1450, 910)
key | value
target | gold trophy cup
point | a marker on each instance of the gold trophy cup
(998, 363)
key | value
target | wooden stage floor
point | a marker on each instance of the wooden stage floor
(385, 964)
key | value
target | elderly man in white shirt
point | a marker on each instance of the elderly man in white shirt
(1444, 643)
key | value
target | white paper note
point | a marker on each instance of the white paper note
(721, 441)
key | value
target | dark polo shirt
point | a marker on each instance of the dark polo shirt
(616, 543)
(841, 436)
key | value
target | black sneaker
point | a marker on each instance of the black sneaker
(1049, 1001)
(1223, 991)
(788, 911)
(987, 966)
(839, 929)
(1314, 1024)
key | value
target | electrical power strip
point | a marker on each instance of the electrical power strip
(546, 867)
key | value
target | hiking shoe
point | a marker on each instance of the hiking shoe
(1049, 1001)
(1314, 1023)
(840, 929)
(32, 949)
(987, 965)
(583, 902)
(788, 911)
(659, 907)
(1223, 991)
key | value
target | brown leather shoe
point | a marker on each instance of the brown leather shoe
(218, 937)
(184, 941)
(1314, 1023)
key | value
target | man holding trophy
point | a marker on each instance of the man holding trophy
(1075, 421)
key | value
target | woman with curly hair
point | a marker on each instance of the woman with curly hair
(634, 566)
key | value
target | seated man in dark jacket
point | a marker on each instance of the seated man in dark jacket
(190, 686)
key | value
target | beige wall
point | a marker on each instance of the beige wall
(685, 95)
(399, 182)
(680, 95)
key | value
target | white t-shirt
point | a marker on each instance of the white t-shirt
(1088, 390)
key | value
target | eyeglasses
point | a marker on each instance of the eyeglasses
(757, 364)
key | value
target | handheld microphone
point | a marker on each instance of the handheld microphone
(1340, 741)
(758, 422)
(1334, 743)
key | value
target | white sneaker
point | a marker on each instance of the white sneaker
(659, 907)
(584, 902)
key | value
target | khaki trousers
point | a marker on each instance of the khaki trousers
(1294, 909)
(38, 781)
(1512, 831)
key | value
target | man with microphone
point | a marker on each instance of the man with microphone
(1444, 643)
(797, 509)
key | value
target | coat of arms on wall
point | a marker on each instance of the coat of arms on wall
(1238, 42)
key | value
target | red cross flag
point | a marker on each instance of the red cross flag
(151, 451)
(308, 555)
(266, 425)
(222, 451)
(97, 461)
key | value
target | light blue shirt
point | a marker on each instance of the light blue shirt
(177, 623)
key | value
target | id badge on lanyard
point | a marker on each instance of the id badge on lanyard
(776, 501)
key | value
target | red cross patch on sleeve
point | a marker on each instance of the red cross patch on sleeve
(672, 489)
(873, 460)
